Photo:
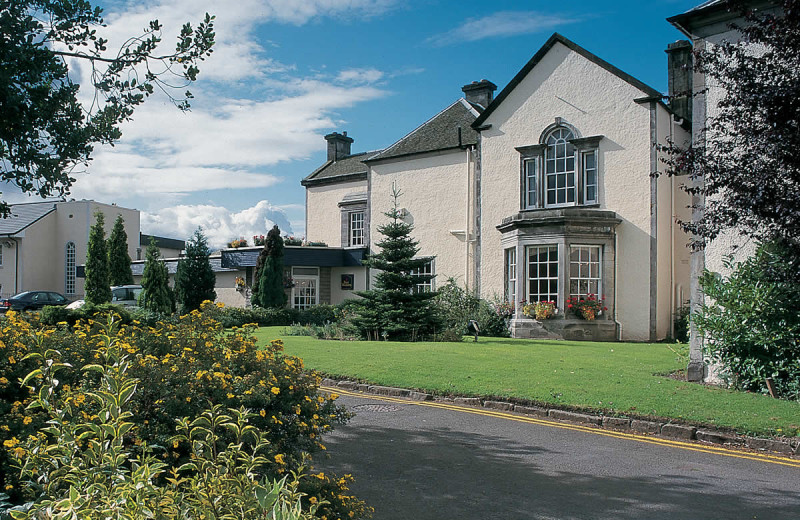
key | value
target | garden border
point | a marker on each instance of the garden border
(659, 426)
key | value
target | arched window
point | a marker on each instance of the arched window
(560, 168)
(69, 268)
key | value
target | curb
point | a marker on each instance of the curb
(662, 428)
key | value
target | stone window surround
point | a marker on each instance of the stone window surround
(536, 152)
(550, 227)
(346, 208)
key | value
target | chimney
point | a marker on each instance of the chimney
(679, 75)
(480, 92)
(338, 145)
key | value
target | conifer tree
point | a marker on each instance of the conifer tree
(268, 283)
(395, 309)
(119, 263)
(97, 287)
(155, 295)
(195, 279)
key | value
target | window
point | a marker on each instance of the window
(511, 275)
(69, 268)
(426, 273)
(305, 292)
(1, 255)
(560, 171)
(357, 228)
(584, 271)
(542, 273)
(589, 163)
(531, 184)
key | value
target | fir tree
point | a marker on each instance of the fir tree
(268, 284)
(156, 294)
(97, 287)
(119, 263)
(195, 279)
(395, 309)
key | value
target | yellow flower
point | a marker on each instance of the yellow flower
(275, 390)
(313, 500)
(279, 459)
(175, 443)
(262, 413)
(9, 486)
(11, 360)
(27, 420)
(320, 475)
(230, 395)
(10, 443)
(3, 381)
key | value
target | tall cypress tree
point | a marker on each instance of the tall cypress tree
(195, 279)
(119, 263)
(97, 287)
(394, 309)
(268, 282)
(155, 282)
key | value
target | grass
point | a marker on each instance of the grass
(614, 378)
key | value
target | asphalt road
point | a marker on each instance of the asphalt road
(415, 461)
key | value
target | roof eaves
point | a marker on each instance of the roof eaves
(413, 154)
(336, 179)
(540, 54)
(469, 106)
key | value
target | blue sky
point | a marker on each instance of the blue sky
(287, 72)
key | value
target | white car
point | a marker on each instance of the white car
(125, 295)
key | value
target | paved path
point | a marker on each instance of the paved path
(418, 461)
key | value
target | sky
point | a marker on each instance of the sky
(284, 73)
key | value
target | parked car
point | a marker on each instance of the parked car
(32, 300)
(127, 295)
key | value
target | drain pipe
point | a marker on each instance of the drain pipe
(616, 271)
(466, 216)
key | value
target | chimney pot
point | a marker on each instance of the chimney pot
(479, 92)
(338, 145)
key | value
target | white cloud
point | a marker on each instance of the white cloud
(501, 24)
(360, 76)
(219, 224)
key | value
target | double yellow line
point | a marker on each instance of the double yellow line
(689, 446)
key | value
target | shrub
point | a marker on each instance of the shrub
(455, 307)
(682, 324)
(53, 315)
(183, 368)
(77, 466)
(752, 325)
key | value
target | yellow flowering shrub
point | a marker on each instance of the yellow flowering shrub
(183, 367)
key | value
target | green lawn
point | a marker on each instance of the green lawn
(618, 378)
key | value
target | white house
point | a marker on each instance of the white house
(707, 25)
(541, 193)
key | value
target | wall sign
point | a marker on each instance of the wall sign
(348, 282)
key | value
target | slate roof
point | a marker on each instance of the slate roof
(351, 167)
(441, 132)
(557, 38)
(23, 215)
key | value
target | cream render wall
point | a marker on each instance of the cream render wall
(37, 264)
(596, 102)
(73, 222)
(672, 245)
(434, 188)
(323, 215)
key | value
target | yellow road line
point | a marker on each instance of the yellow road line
(689, 446)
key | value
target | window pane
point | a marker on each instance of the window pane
(542, 273)
(585, 261)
